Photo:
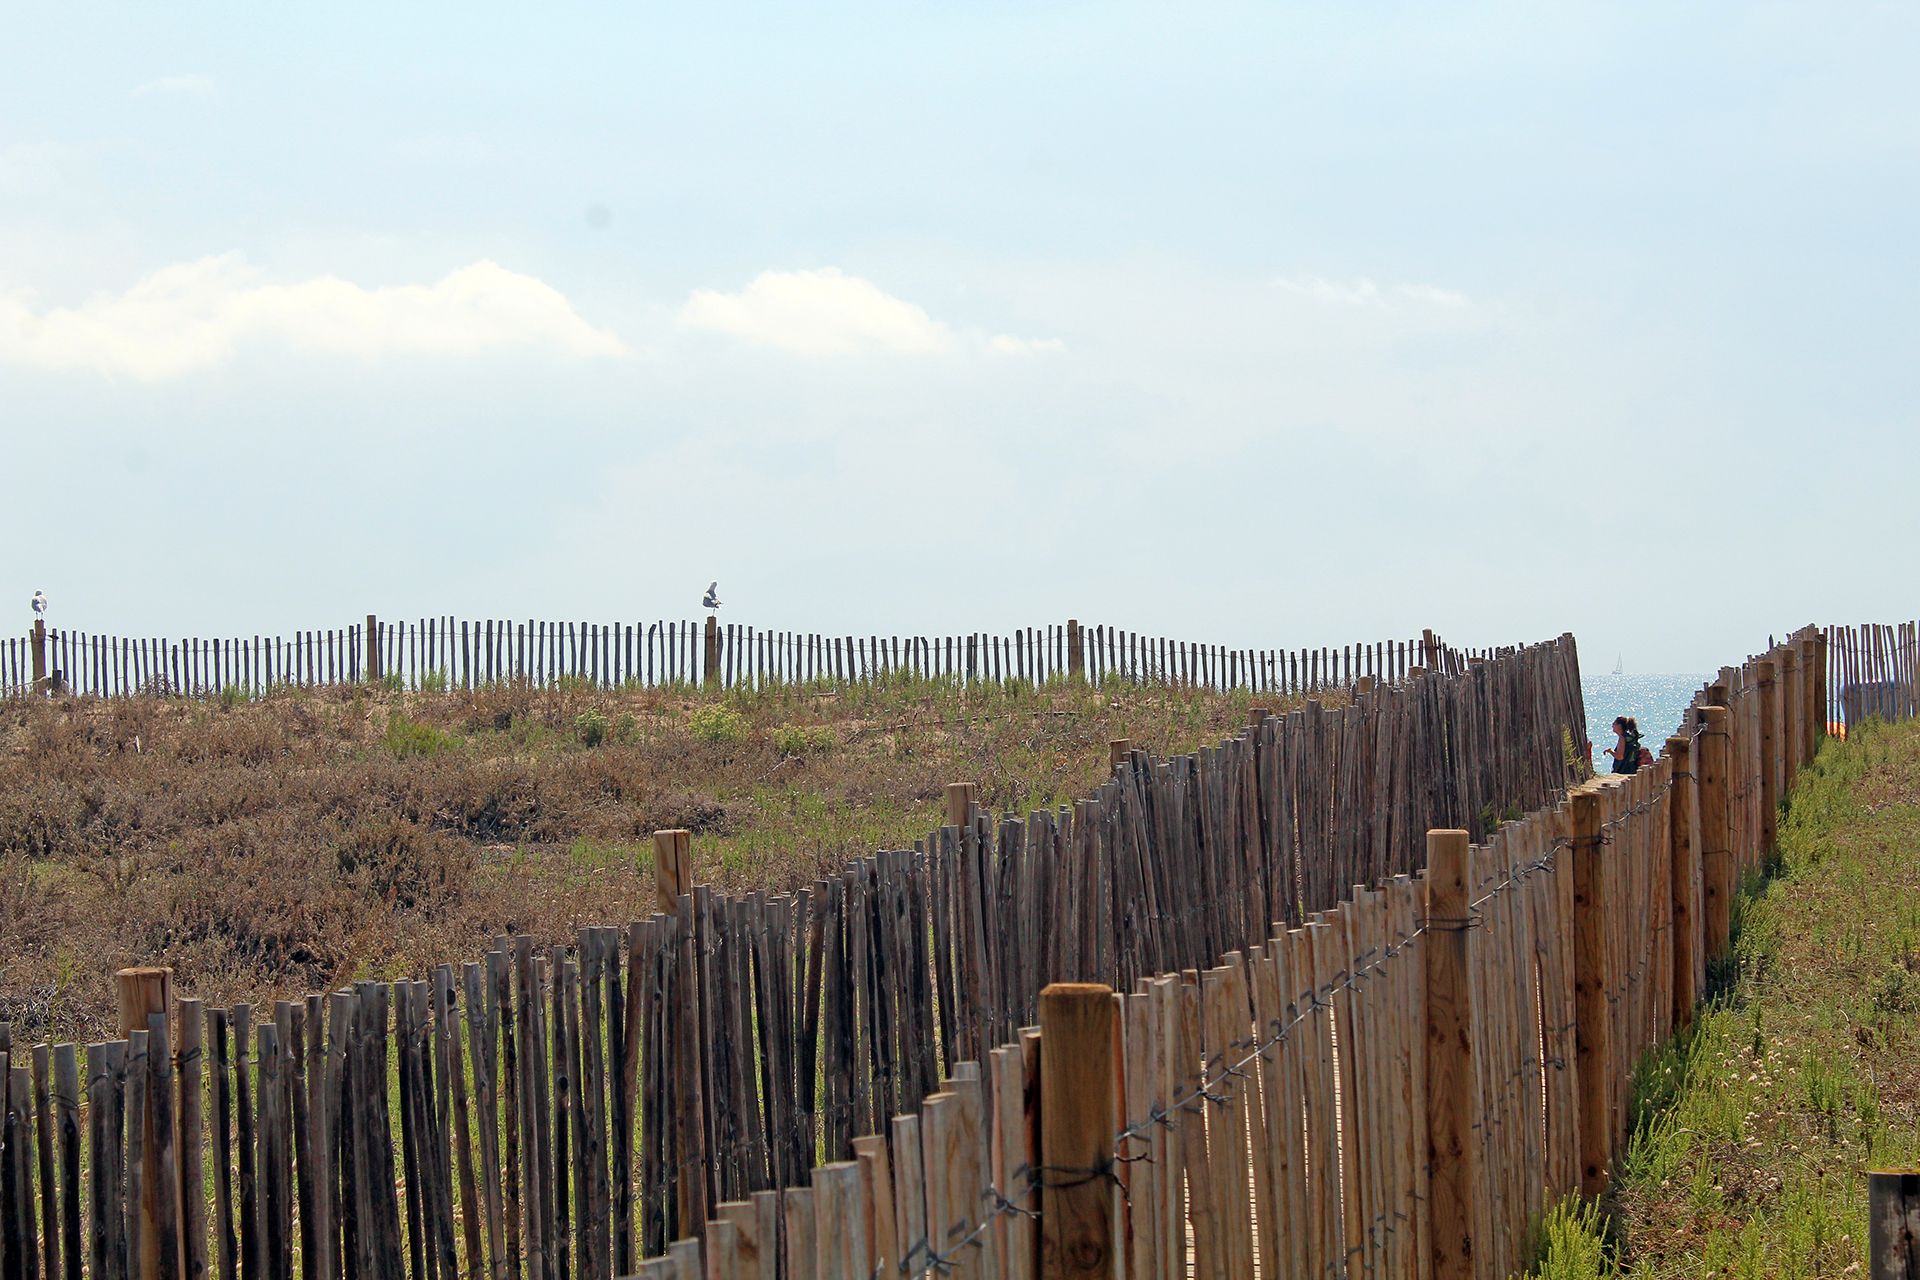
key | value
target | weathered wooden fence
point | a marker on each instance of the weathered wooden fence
(1350, 1043)
(1873, 670)
(467, 653)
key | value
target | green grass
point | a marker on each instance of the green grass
(1753, 1130)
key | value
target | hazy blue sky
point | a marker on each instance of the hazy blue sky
(1264, 324)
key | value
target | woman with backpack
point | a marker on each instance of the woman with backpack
(1626, 751)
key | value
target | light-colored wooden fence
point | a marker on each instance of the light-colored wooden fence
(470, 653)
(1351, 1042)
(1873, 670)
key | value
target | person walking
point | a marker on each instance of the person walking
(1626, 748)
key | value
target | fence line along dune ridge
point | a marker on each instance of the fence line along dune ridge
(466, 653)
(1874, 670)
(1351, 1043)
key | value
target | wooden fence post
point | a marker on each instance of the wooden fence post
(1769, 760)
(373, 650)
(1685, 879)
(39, 652)
(141, 993)
(1893, 1224)
(1717, 876)
(1451, 1081)
(1076, 651)
(1820, 659)
(710, 652)
(960, 800)
(1813, 680)
(672, 867)
(1117, 752)
(1593, 1028)
(1790, 704)
(1077, 1127)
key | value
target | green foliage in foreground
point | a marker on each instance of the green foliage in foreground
(1754, 1129)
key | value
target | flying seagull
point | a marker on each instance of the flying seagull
(39, 602)
(711, 600)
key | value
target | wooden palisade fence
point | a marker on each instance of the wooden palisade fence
(1873, 671)
(1353, 1040)
(465, 653)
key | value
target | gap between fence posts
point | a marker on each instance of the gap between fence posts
(1078, 1030)
(1893, 1224)
(1453, 1175)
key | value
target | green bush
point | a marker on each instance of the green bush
(411, 738)
(800, 740)
(592, 727)
(717, 724)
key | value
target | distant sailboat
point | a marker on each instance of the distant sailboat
(1618, 669)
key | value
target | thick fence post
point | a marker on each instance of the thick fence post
(1685, 879)
(710, 652)
(1117, 752)
(141, 993)
(1593, 1027)
(1078, 1122)
(1790, 705)
(1893, 1224)
(1076, 651)
(39, 652)
(373, 650)
(672, 867)
(1769, 760)
(1825, 694)
(960, 798)
(1453, 1178)
(1813, 681)
(1711, 754)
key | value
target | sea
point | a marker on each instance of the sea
(1656, 702)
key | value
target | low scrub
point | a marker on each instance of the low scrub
(269, 848)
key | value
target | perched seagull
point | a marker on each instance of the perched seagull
(711, 600)
(39, 602)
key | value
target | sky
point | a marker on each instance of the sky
(1268, 324)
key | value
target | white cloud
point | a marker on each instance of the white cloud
(827, 312)
(189, 86)
(1363, 292)
(196, 315)
(1007, 344)
(822, 312)
(30, 168)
